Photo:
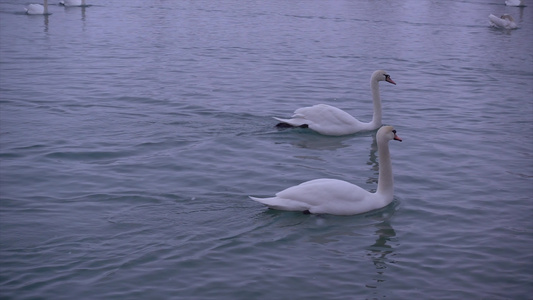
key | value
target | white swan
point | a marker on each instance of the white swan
(505, 21)
(329, 120)
(337, 197)
(37, 9)
(72, 3)
(515, 3)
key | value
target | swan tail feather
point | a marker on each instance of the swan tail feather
(281, 204)
(292, 122)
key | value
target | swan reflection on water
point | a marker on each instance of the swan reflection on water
(42, 10)
(320, 142)
(380, 252)
(73, 5)
(373, 161)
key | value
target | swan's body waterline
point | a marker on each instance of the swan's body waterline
(329, 120)
(72, 3)
(338, 197)
(37, 9)
(515, 3)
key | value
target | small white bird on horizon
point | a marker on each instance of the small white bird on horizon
(69, 3)
(515, 3)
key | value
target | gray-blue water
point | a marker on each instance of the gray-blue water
(132, 133)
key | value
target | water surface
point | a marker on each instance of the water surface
(132, 133)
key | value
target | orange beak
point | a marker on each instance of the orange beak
(397, 138)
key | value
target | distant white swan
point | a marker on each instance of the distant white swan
(330, 120)
(515, 3)
(72, 2)
(505, 21)
(337, 197)
(37, 9)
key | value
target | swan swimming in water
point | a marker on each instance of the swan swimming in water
(330, 120)
(72, 3)
(515, 3)
(505, 21)
(37, 9)
(338, 197)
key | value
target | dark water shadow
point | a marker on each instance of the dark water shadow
(381, 253)
(308, 139)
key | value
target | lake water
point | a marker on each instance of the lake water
(133, 132)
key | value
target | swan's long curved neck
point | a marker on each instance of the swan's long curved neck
(376, 117)
(385, 180)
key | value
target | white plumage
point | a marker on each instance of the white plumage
(37, 9)
(505, 21)
(338, 197)
(329, 120)
(515, 3)
(72, 2)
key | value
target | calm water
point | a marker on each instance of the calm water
(132, 133)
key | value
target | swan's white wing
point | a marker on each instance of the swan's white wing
(282, 204)
(328, 120)
(514, 3)
(321, 196)
(325, 114)
(294, 122)
(325, 119)
(496, 21)
(501, 23)
(35, 9)
(319, 191)
(72, 2)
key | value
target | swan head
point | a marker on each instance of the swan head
(381, 75)
(387, 133)
(507, 17)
